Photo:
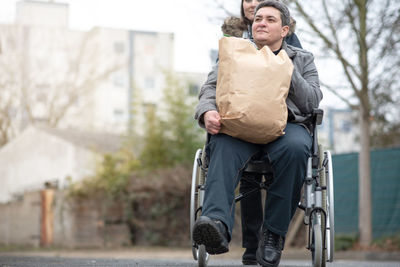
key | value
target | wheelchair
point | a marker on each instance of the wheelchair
(317, 200)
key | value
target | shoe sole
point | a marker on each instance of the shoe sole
(249, 262)
(264, 263)
(204, 233)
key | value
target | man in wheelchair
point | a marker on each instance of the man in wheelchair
(228, 156)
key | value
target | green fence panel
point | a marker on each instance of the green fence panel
(345, 184)
(385, 187)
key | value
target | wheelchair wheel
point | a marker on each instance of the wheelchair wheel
(317, 246)
(330, 229)
(202, 257)
(319, 229)
(196, 201)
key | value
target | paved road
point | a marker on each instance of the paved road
(153, 256)
(39, 261)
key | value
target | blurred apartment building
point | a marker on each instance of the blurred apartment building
(97, 80)
(339, 131)
(82, 90)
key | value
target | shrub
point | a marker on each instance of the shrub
(159, 206)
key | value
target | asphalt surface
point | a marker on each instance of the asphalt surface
(146, 257)
(18, 261)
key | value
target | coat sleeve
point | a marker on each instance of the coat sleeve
(207, 96)
(304, 89)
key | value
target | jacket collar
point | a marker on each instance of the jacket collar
(291, 53)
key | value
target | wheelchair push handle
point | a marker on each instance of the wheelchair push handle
(317, 115)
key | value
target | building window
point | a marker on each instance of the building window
(41, 97)
(346, 126)
(150, 49)
(149, 83)
(43, 86)
(119, 80)
(12, 112)
(193, 89)
(118, 114)
(119, 47)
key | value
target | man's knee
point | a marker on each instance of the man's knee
(297, 141)
(296, 147)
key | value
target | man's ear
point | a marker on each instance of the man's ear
(284, 31)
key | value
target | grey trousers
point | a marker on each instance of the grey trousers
(229, 157)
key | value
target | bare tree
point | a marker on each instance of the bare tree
(9, 77)
(46, 73)
(362, 37)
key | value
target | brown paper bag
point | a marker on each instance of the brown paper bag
(252, 87)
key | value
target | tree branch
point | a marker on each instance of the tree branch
(381, 26)
(332, 46)
(334, 91)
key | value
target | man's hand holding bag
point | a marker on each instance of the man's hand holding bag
(252, 87)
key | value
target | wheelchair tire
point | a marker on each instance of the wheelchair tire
(202, 257)
(330, 231)
(317, 248)
(194, 200)
(322, 220)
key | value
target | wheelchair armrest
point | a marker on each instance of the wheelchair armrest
(317, 114)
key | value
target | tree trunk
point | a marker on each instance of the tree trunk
(365, 215)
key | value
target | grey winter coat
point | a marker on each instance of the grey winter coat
(304, 93)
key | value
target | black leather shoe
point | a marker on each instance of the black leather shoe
(269, 249)
(212, 234)
(249, 256)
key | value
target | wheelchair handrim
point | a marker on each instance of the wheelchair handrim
(193, 201)
(331, 210)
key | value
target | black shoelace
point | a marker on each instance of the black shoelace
(272, 240)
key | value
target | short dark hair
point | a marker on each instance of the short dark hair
(285, 14)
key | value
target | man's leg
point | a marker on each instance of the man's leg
(228, 158)
(288, 156)
(252, 216)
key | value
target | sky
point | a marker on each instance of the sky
(189, 20)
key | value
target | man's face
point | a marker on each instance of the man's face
(267, 28)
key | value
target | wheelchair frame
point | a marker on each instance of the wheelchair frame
(317, 199)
